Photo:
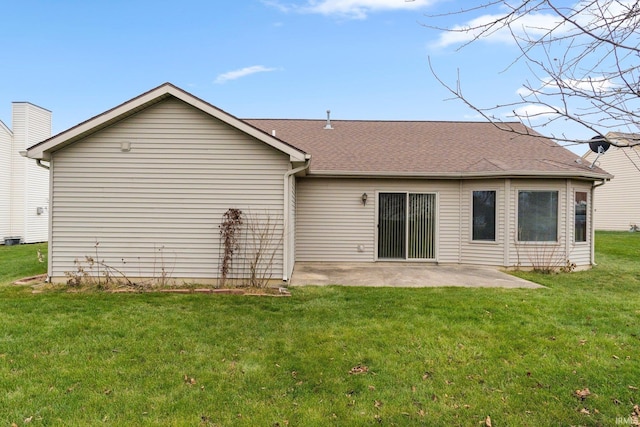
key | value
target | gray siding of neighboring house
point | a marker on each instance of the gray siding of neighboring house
(158, 207)
(617, 203)
(32, 124)
(25, 184)
(5, 181)
(332, 221)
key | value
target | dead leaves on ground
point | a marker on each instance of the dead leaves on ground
(582, 394)
(358, 369)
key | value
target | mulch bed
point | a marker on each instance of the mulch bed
(31, 280)
(39, 280)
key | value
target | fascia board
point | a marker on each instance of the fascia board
(43, 149)
(460, 175)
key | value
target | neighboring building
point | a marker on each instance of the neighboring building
(147, 183)
(617, 205)
(24, 186)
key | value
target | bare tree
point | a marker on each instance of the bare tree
(584, 62)
(264, 240)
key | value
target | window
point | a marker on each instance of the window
(537, 216)
(484, 215)
(580, 217)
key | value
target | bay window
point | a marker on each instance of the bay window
(537, 216)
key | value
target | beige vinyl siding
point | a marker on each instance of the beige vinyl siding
(5, 181)
(617, 203)
(160, 204)
(291, 227)
(528, 254)
(482, 252)
(333, 224)
(579, 252)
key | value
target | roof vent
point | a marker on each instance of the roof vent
(328, 125)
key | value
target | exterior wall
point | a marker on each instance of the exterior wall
(26, 184)
(291, 228)
(332, 222)
(553, 254)
(32, 124)
(482, 252)
(158, 207)
(5, 181)
(579, 252)
(617, 203)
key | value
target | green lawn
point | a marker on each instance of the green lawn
(327, 356)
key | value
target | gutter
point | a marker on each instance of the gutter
(593, 222)
(585, 175)
(38, 161)
(285, 220)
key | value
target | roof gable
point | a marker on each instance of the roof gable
(44, 149)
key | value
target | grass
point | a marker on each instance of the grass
(21, 261)
(433, 356)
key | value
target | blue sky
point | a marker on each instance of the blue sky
(362, 59)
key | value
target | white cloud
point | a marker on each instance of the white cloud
(594, 86)
(534, 24)
(597, 86)
(352, 9)
(524, 92)
(534, 112)
(243, 72)
(595, 16)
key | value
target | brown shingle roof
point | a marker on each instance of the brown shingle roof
(421, 148)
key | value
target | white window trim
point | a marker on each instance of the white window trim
(497, 224)
(556, 242)
(587, 218)
(436, 236)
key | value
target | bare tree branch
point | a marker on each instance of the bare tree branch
(584, 59)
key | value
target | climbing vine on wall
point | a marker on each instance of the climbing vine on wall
(229, 232)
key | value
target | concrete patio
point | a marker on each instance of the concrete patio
(398, 274)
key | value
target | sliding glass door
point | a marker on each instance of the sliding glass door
(406, 226)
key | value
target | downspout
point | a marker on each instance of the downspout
(285, 219)
(50, 215)
(39, 163)
(568, 220)
(23, 153)
(593, 223)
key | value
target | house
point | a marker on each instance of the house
(144, 187)
(24, 187)
(617, 204)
